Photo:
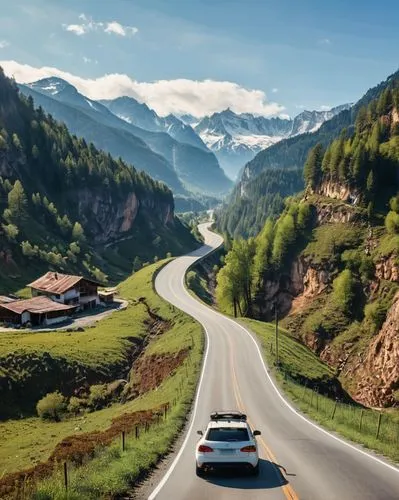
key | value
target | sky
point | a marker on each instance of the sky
(201, 56)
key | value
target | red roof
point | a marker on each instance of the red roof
(36, 305)
(58, 283)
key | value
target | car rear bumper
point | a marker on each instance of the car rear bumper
(228, 465)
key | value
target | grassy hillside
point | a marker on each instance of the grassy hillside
(58, 360)
(173, 333)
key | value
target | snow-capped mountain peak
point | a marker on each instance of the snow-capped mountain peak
(61, 90)
(236, 138)
(52, 85)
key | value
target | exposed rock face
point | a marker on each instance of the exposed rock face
(378, 375)
(306, 279)
(329, 213)
(338, 192)
(388, 269)
(109, 220)
(309, 279)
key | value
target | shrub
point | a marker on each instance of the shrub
(51, 406)
(76, 404)
(343, 291)
(376, 312)
(99, 275)
(11, 231)
(99, 396)
(392, 222)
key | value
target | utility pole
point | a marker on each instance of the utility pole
(276, 323)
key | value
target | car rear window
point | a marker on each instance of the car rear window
(227, 434)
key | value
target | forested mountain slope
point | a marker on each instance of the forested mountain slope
(293, 152)
(247, 209)
(289, 154)
(66, 205)
(331, 260)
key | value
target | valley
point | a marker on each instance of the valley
(198, 213)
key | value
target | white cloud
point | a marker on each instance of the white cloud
(4, 44)
(89, 25)
(118, 29)
(274, 90)
(324, 41)
(179, 96)
(324, 107)
(78, 29)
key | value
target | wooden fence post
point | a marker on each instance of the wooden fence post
(378, 426)
(123, 440)
(334, 410)
(66, 476)
(137, 432)
(304, 391)
(361, 419)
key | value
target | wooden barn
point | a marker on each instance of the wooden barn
(35, 311)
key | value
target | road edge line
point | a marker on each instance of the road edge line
(171, 468)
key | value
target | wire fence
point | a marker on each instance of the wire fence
(64, 474)
(371, 425)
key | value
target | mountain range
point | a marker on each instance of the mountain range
(192, 157)
(237, 138)
(165, 148)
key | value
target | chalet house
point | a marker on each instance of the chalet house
(36, 311)
(67, 289)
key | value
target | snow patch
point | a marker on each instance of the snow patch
(125, 118)
(213, 141)
(53, 88)
(91, 104)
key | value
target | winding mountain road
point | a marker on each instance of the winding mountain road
(298, 458)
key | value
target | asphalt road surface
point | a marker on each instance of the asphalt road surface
(298, 459)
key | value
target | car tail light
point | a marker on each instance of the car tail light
(202, 448)
(249, 449)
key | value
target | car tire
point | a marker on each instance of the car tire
(255, 470)
(199, 471)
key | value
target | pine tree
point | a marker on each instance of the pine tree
(337, 154)
(359, 163)
(361, 120)
(325, 164)
(78, 233)
(17, 202)
(370, 184)
(312, 168)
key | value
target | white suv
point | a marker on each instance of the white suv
(228, 442)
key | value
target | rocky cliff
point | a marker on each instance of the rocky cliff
(361, 344)
(377, 372)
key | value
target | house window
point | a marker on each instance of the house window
(57, 295)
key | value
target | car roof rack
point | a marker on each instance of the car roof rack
(228, 415)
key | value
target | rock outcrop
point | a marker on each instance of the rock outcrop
(378, 374)
(109, 219)
(387, 269)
